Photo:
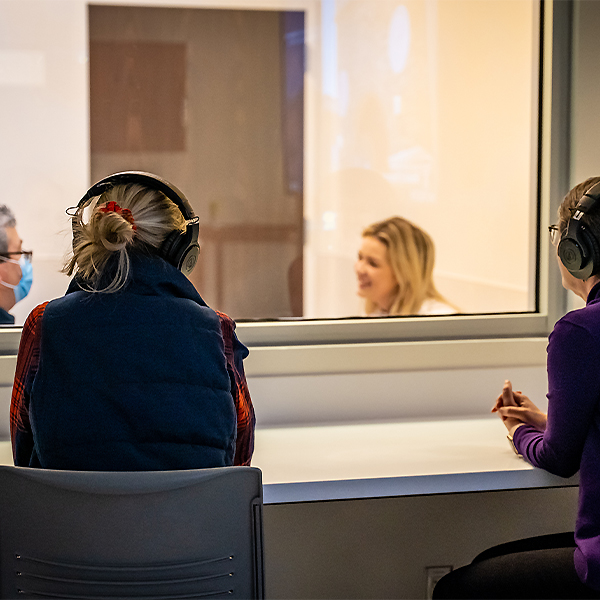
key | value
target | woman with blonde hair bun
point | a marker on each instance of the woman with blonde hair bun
(395, 271)
(130, 370)
(112, 233)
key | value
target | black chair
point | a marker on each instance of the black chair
(155, 534)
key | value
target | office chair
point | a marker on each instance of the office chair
(153, 535)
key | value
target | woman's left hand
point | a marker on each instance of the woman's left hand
(516, 409)
(507, 398)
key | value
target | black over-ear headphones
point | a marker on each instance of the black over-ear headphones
(578, 248)
(180, 249)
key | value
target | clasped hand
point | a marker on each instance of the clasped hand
(515, 409)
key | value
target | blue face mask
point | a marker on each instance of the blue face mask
(22, 288)
(24, 284)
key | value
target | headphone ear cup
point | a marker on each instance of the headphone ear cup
(189, 259)
(579, 251)
(181, 249)
(594, 251)
(168, 247)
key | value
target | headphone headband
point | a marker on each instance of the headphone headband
(180, 249)
(588, 200)
(147, 179)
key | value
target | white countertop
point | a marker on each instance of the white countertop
(392, 459)
(304, 464)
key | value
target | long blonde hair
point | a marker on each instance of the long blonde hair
(109, 235)
(411, 255)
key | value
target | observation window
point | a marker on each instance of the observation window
(292, 126)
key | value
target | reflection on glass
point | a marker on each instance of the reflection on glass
(225, 120)
(394, 271)
(427, 110)
(290, 132)
(420, 109)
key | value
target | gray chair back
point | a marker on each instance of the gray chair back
(155, 534)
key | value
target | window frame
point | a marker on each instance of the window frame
(553, 183)
(326, 344)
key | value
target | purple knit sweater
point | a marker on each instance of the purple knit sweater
(571, 441)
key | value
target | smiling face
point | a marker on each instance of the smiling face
(376, 280)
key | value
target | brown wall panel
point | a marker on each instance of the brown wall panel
(123, 77)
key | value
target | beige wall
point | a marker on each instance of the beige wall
(446, 139)
(44, 124)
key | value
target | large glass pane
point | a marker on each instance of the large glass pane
(425, 110)
(213, 101)
(291, 130)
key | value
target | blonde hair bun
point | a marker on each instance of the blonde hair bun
(112, 231)
(125, 217)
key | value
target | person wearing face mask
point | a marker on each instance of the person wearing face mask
(16, 274)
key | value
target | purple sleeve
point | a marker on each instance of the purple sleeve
(573, 393)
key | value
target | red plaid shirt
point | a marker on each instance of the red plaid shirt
(29, 358)
(244, 446)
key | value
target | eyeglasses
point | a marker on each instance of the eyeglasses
(554, 232)
(26, 254)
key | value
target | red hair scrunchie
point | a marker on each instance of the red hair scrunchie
(123, 212)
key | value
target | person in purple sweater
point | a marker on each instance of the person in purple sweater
(564, 441)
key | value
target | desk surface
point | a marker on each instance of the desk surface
(307, 464)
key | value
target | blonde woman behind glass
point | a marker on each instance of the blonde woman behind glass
(395, 271)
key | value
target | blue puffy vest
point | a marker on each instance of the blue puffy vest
(133, 380)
